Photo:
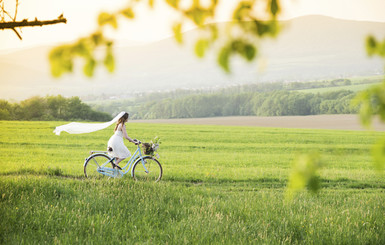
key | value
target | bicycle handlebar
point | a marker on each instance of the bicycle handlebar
(138, 142)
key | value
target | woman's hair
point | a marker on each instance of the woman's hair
(121, 120)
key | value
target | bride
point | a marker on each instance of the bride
(115, 146)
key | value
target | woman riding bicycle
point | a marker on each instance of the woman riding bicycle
(115, 146)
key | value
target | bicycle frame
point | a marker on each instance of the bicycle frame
(137, 154)
(129, 166)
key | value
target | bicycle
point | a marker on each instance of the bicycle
(144, 167)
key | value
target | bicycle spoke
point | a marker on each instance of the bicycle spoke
(148, 170)
(94, 164)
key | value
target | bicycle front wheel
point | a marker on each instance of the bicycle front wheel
(93, 163)
(147, 170)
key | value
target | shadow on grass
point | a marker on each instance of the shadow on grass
(274, 183)
(238, 184)
(54, 172)
(345, 183)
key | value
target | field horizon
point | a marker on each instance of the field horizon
(336, 122)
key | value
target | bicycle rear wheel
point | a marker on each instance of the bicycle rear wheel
(151, 171)
(93, 163)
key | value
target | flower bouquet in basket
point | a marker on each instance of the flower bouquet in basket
(151, 147)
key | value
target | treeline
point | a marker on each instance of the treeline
(254, 87)
(50, 108)
(262, 99)
(277, 103)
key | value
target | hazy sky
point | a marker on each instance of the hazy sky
(155, 24)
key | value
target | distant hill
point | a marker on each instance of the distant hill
(311, 47)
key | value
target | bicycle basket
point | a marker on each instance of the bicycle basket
(147, 149)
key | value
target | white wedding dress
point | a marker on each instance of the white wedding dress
(116, 143)
(82, 128)
(116, 147)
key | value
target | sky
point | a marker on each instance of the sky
(153, 25)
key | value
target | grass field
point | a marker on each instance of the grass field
(221, 185)
(353, 87)
(358, 84)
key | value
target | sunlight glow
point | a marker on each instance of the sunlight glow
(152, 25)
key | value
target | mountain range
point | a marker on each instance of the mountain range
(307, 48)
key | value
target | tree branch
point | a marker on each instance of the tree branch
(25, 23)
(17, 33)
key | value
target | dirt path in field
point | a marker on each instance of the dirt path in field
(341, 122)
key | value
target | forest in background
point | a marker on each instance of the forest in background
(278, 103)
(262, 99)
(273, 103)
(50, 108)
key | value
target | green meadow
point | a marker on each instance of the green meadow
(353, 87)
(221, 185)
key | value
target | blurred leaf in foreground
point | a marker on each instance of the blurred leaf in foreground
(378, 152)
(372, 102)
(304, 175)
(241, 36)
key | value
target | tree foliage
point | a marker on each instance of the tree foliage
(372, 102)
(278, 103)
(50, 108)
(240, 37)
(304, 175)
(241, 101)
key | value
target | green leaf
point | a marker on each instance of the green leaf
(246, 50)
(61, 60)
(313, 184)
(223, 58)
(89, 67)
(371, 102)
(173, 3)
(274, 7)
(304, 175)
(371, 44)
(56, 68)
(249, 52)
(103, 18)
(378, 152)
(109, 60)
(198, 15)
(381, 49)
(82, 48)
(128, 13)
(107, 19)
(261, 28)
(366, 113)
(97, 38)
(201, 47)
(177, 28)
(214, 32)
(242, 11)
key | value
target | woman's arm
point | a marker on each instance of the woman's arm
(126, 136)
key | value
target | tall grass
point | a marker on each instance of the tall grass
(221, 185)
